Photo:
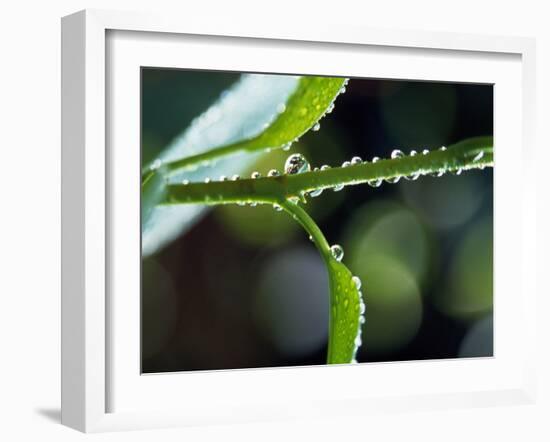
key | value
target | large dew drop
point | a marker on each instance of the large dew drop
(337, 252)
(296, 163)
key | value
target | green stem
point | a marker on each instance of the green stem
(474, 153)
(310, 227)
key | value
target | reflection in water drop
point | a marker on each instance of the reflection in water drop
(296, 163)
(337, 252)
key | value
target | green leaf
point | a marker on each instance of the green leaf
(312, 99)
(345, 314)
(245, 121)
(346, 304)
(240, 112)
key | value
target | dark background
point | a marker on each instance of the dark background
(244, 287)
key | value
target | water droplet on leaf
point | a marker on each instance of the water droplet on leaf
(396, 153)
(337, 252)
(296, 163)
(155, 164)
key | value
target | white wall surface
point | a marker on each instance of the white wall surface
(30, 217)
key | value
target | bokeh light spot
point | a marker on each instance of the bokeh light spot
(469, 291)
(393, 306)
(292, 302)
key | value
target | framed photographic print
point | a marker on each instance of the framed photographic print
(263, 223)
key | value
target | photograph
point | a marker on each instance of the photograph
(298, 220)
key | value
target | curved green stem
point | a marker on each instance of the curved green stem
(475, 153)
(310, 227)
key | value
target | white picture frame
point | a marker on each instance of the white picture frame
(90, 325)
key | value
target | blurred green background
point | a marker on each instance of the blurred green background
(244, 287)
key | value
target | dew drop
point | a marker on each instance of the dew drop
(437, 174)
(346, 164)
(315, 193)
(479, 156)
(361, 319)
(393, 180)
(425, 152)
(396, 153)
(442, 148)
(287, 147)
(155, 164)
(338, 188)
(255, 175)
(357, 282)
(311, 238)
(296, 163)
(235, 177)
(316, 127)
(337, 252)
(356, 160)
(185, 182)
(277, 207)
(330, 108)
(375, 183)
(223, 178)
(458, 171)
(414, 176)
(294, 200)
(273, 172)
(207, 180)
(281, 108)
